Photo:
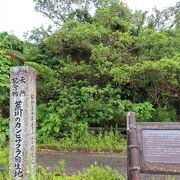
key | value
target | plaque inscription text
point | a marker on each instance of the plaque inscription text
(161, 146)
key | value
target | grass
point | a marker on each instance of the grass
(87, 141)
(93, 172)
(4, 161)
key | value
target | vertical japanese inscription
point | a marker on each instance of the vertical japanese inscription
(22, 122)
(32, 130)
(18, 95)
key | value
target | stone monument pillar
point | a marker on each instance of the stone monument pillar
(22, 123)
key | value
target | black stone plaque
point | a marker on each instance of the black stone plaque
(161, 146)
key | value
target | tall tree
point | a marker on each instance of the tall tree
(166, 19)
(59, 10)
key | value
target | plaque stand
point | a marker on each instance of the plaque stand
(153, 147)
(133, 148)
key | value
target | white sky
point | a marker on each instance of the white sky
(18, 16)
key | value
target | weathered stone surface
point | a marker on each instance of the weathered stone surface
(22, 122)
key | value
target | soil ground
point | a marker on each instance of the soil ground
(77, 161)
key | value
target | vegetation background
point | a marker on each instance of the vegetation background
(96, 67)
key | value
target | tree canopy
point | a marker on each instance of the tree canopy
(95, 68)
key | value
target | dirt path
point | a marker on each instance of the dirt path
(77, 161)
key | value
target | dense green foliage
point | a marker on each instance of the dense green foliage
(4, 77)
(95, 68)
(10, 42)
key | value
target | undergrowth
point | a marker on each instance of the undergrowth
(87, 141)
(93, 172)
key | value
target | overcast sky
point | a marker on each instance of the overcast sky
(18, 16)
